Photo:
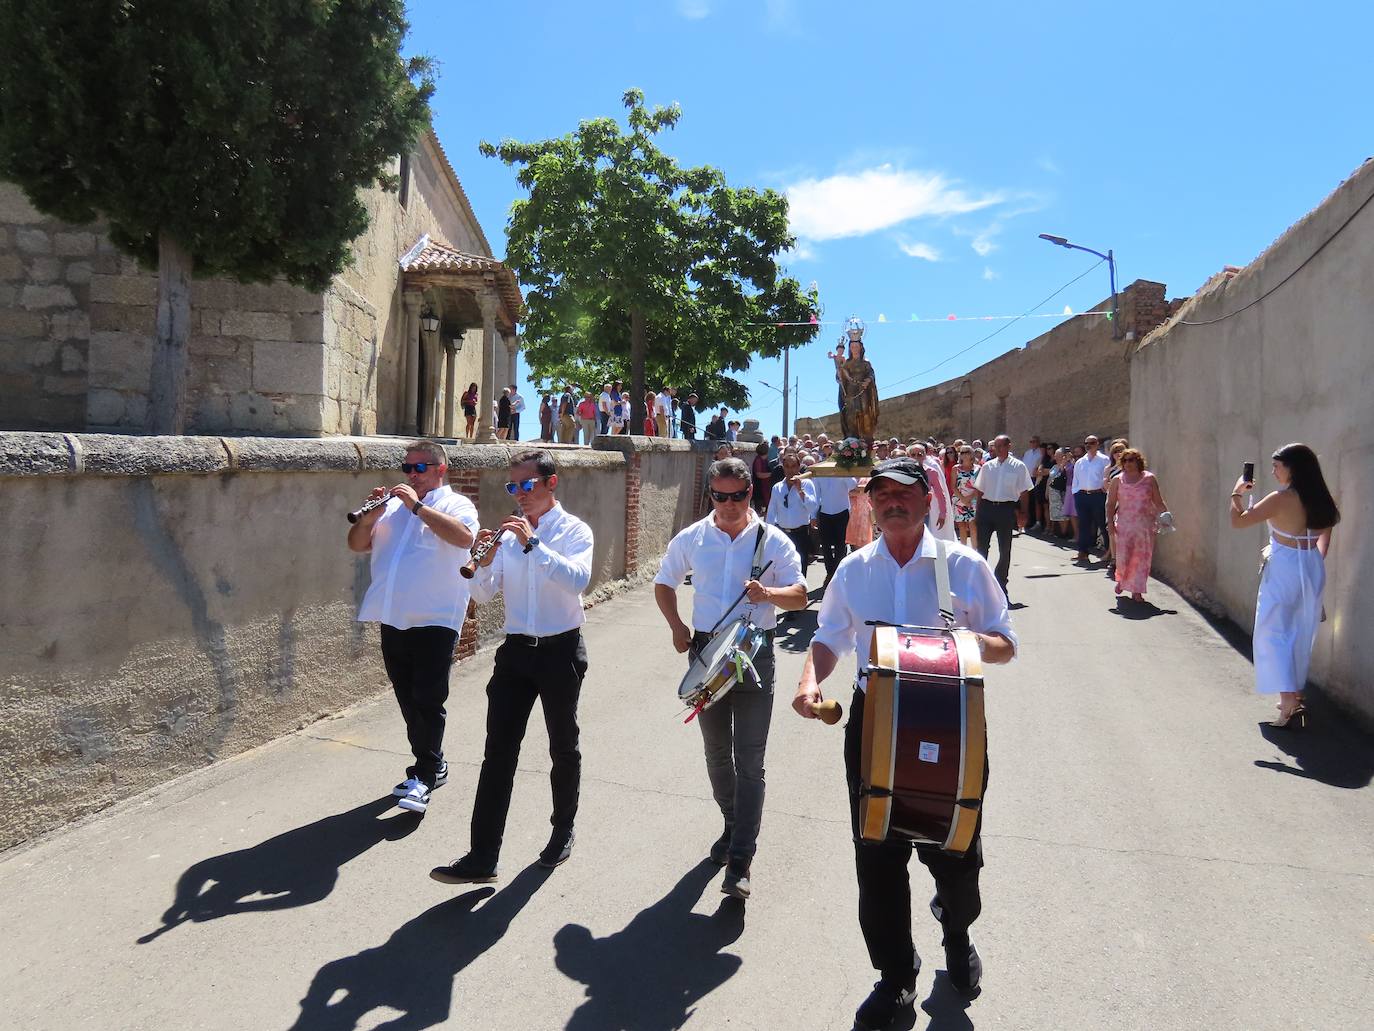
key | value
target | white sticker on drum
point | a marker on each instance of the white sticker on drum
(929, 752)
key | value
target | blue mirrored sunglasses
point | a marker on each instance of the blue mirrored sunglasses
(524, 486)
(415, 467)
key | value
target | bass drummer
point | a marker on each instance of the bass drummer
(724, 553)
(894, 580)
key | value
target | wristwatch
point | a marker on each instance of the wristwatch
(531, 543)
(417, 506)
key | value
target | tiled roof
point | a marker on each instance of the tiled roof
(430, 256)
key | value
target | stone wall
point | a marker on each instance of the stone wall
(176, 600)
(1297, 365)
(1066, 383)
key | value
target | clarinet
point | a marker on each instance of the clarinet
(479, 552)
(367, 506)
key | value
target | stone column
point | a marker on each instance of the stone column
(410, 349)
(512, 349)
(450, 373)
(489, 303)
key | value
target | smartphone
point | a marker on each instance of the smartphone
(1248, 474)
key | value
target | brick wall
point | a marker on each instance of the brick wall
(633, 482)
(467, 482)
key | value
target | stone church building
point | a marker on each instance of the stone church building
(422, 310)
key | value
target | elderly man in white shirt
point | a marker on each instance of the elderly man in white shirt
(1090, 496)
(793, 506)
(542, 565)
(999, 485)
(893, 580)
(726, 553)
(419, 540)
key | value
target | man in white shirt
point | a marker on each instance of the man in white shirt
(418, 540)
(724, 554)
(1090, 496)
(832, 502)
(1029, 516)
(517, 405)
(999, 485)
(893, 580)
(663, 411)
(541, 565)
(793, 507)
(603, 410)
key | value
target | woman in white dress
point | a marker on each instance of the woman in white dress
(1300, 514)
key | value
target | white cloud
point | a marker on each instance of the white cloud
(982, 241)
(924, 251)
(859, 203)
(803, 251)
(988, 273)
(694, 9)
(1048, 164)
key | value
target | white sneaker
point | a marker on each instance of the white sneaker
(416, 800)
(402, 789)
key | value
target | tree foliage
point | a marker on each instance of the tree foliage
(240, 130)
(627, 254)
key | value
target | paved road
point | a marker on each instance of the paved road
(1155, 860)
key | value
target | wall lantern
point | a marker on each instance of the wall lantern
(429, 322)
(457, 343)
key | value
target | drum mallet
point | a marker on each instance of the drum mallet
(828, 711)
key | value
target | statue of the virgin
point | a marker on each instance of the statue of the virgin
(858, 388)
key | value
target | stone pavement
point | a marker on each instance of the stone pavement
(1155, 860)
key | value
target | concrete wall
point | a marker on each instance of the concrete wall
(1066, 383)
(77, 324)
(175, 600)
(1298, 365)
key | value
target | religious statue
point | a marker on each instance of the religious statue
(858, 388)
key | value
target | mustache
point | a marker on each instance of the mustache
(892, 510)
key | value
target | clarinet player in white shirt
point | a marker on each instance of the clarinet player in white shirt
(541, 565)
(721, 552)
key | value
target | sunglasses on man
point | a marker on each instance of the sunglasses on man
(523, 486)
(730, 495)
(415, 467)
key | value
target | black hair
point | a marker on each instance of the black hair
(1305, 477)
(543, 461)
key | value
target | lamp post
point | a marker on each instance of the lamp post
(1060, 241)
(784, 404)
(429, 322)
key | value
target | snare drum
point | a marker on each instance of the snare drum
(718, 665)
(924, 737)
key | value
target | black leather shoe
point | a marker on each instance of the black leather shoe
(886, 1002)
(736, 883)
(720, 848)
(965, 968)
(464, 871)
(557, 851)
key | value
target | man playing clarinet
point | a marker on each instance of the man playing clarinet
(724, 553)
(894, 580)
(542, 564)
(419, 539)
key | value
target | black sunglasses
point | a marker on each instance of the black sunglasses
(730, 495)
(415, 467)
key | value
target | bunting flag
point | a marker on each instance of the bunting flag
(1067, 313)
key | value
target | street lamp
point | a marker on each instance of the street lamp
(429, 322)
(1060, 241)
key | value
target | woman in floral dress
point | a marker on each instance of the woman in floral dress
(965, 501)
(1133, 506)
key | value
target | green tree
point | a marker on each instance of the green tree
(226, 137)
(626, 253)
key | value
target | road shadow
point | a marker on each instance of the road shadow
(948, 1010)
(795, 632)
(649, 976)
(1330, 749)
(413, 972)
(1128, 609)
(296, 868)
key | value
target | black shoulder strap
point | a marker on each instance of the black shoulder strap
(756, 570)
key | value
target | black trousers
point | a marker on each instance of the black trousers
(1092, 518)
(514, 426)
(833, 547)
(551, 673)
(997, 517)
(417, 662)
(801, 537)
(884, 881)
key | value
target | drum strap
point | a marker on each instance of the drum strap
(946, 601)
(756, 570)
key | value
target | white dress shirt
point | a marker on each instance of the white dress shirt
(1088, 472)
(1002, 479)
(415, 579)
(543, 589)
(832, 493)
(663, 404)
(792, 509)
(604, 402)
(517, 404)
(1031, 459)
(870, 585)
(720, 569)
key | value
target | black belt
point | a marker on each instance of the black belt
(700, 638)
(543, 642)
(988, 501)
(1094, 490)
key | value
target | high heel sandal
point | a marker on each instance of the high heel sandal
(1295, 720)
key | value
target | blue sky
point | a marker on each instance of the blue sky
(924, 146)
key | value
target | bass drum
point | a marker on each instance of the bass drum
(924, 737)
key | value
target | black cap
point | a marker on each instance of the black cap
(900, 470)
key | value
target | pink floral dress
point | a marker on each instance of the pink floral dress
(1134, 533)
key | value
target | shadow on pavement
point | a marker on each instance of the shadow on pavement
(795, 632)
(649, 976)
(413, 972)
(1329, 749)
(1127, 609)
(948, 1009)
(293, 869)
